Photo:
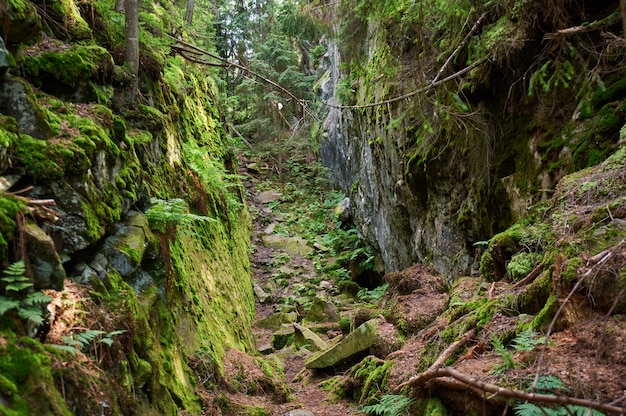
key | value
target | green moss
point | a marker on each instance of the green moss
(27, 382)
(365, 382)
(70, 66)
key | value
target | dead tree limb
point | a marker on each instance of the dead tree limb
(411, 94)
(512, 393)
(443, 357)
(595, 25)
(529, 278)
(463, 43)
(189, 48)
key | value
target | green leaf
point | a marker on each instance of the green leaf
(37, 298)
(67, 348)
(389, 405)
(7, 304)
(86, 337)
(18, 286)
(32, 315)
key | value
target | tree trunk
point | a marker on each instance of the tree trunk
(189, 12)
(131, 55)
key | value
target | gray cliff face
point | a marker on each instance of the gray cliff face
(427, 213)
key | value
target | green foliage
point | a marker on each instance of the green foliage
(80, 341)
(532, 409)
(373, 295)
(389, 405)
(163, 214)
(18, 295)
(551, 75)
(527, 340)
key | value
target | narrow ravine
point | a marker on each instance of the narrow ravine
(285, 283)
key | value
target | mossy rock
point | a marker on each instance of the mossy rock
(23, 23)
(67, 72)
(365, 382)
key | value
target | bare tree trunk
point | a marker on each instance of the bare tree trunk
(131, 55)
(189, 12)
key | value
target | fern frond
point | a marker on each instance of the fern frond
(37, 298)
(15, 270)
(531, 409)
(34, 315)
(67, 348)
(550, 383)
(389, 405)
(527, 340)
(7, 304)
(18, 286)
(86, 337)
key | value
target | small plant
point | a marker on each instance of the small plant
(553, 385)
(389, 405)
(82, 340)
(527, 340)
(373, 295)
(20, 297)
(163, 214)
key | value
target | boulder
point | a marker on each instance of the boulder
(48, 271)
(267, 196)
(292, 245)
(283, 337)
(304, 337)
(322, 311)
(357, 342)
(126, 248)
(261, 294)
(275, 321)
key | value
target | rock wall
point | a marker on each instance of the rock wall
(125, 214)
(435, 170)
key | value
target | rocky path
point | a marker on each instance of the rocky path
(284, 279)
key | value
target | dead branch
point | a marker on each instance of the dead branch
(511, 393)
(531, 276)
(189, 48)
(447, 353)
(595, 25)
(463, 43)
(411, 94)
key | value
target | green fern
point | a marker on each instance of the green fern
(531, 409)
(527, 340)
(80, 341)
(389, 405)
(550, 384)
(17, 286)
(163, 214)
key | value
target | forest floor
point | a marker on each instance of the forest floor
(585, 356)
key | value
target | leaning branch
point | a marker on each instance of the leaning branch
(189, 48)
(411, 94)
(461, 46)
(511, 393)
(443, 357)
(595, 25)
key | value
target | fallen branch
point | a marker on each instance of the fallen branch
(595, 25)
(463, 43)
(411, 94)
(188, 48)
(511, 393)
(529, 278)
(443, 357)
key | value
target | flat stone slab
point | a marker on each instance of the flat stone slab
(267, 196)
(359, 340)
(292, 245)
(304, 337)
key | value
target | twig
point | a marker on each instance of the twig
(447, 353)
(189, 48)
(595, 25)
(531, 276)
(512, 393)
(463, 43)
(411, 94)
